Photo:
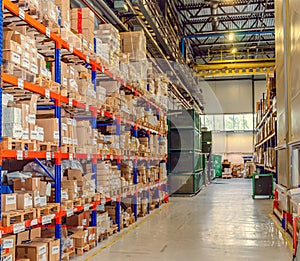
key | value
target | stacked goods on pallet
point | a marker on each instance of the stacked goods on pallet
(249, 169)
(82, 22)
(134, 44)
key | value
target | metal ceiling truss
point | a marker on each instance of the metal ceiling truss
(212, 21)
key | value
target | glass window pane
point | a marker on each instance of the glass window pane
(228, 122)
(238, 122)
(248, 122)
(209, 123)
(219, 122)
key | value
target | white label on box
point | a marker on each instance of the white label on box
(65, 81)
(28, 202)
(70, 102)
(70, 156)
(26, 46)
(47, 94)
(89, 157)
(72, 70)
(10, 200)
(70, 212)
(52, 15)
(7, 258)
(55, 250)
(111, 157)
(42, 250)
(19, 155)
(48, 32)
(87, 59)
(46, 219)
(66, 25)
(75, 142)
(87, 107)
(71, 48)
(56, 135)
(20, 227)
(43, 201)
(20, 84)
(33, 135)
(84, 222)
(94, 141)
(86, 207)
(34, 222)
(43, 258)
(31, 118)
(91, 47)
(44, 72)
(64, 195)
(40, 57)
(48, 187)
(48, 155)
(26, 55)
(65, 140)
(25, 63)
(70, 121)
(21, 13)
(34, 69)
(64, 127)
(8, 243)
(84, 42)
(37, 201)
(19, 49)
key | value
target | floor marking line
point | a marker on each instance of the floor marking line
(127, 232)
(287, 240)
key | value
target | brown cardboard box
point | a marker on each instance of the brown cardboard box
(22, 237)
(35, 233)
(9, 202)
(91, 234)
(35, 251)
(75, 174)
(80, 238)
(30, 184)
(51, 129)
(79, 220)
(24, 201)
(12, 57)
(53, 247)
(9, 246)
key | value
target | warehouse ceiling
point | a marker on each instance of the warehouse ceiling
(227, 29)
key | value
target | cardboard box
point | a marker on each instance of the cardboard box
(35, 233)
(51, 128)
(30, 184)
(9, 247)
(80, 238)
(53, 247)
(24, 201)
(79, 219)
(9, 202)
(35, 251)
(75, 174)
(22, 237)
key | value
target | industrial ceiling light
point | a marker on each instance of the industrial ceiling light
(234, 50)
(231, 37)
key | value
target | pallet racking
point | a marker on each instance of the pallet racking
(62, 47)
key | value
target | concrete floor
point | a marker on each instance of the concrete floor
(221, 223)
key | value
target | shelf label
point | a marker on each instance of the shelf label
(8, 243)
(20, 83)
(21, 13)
(47, 219)
(87, 59)
(20, 227)
(70, 212)
(55, 250)
(87, 107)
(70, 102)
(70, 156)
(71, 49)
(19, 155)
(34, 222)
(48, 155)
(103, 69)
(111, 157)
(103, 157)
(47, 94)
(114, 117)
(86, 207)
(48, 32)
(89, 157)
(102, 113)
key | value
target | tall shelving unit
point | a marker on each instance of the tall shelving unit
(61, 47)
(185, 163)
(266, 138)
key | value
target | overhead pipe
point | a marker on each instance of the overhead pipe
(224, 33)
(214, 11)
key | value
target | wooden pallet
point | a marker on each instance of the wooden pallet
(66, 148)
(68, 253)
(47, 146)
(103, 236)
(18, 144)
(143, 214)
(47, 210)
(14, 217)
(113, 230)
(80, 251)
(226, 176)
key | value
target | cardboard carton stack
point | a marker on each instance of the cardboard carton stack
(108, 44)
(103, 223)
(64, 9)
(69, 131)
(82, 22)
(48, 14)
(134, 44)
(87, 138)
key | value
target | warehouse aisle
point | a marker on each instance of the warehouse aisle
(221, 223)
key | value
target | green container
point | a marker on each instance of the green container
(184, 119)
(217, 165)
(189, 183)
(185, 161)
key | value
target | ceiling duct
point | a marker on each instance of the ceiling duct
(214, 12)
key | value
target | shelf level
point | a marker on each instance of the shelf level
(264, 117)
(265, 140)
